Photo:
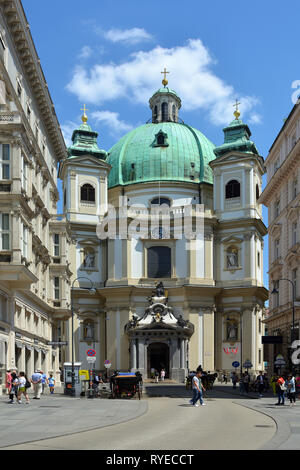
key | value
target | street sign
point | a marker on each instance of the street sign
(91, 353)
(57, 343)
(107, 364)
(279, 361)
(235, 364)
(91, 359)
(247, 364)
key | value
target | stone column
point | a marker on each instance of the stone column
(133, 351)
(22, 359)
(182, 353)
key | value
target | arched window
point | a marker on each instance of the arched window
(233, 189)
(174, 112)
(158, 201)
(257, 192)
(87, 193)
(159, 262)
(155, 113)
(164, 111)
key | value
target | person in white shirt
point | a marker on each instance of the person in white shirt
(22, 381)
(197, 390)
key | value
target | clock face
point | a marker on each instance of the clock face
(159, 233)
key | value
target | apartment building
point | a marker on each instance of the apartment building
(34, 269)
(282, 197)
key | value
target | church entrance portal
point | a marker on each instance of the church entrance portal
(158, 358)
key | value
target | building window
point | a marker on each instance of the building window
(294, 279)
(232, 189)
(259, 356)
(294, 233)
(275, 296)
(25, 241)
(159, 262)
(155, 113)
(276, 165)
(87, 193)
(276, 248)
(277, 208)
(24, 173)
(56, 288)
(161, 139)
(174, 113)
(56, 243)
(158, 201)
(164, 111)
(4, 232)
(257, 192)
(4, 162)
(295, 188)
(258, 259)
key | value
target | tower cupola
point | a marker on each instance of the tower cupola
(165, 103)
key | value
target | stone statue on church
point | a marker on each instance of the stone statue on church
(159, 290)
(232, 258)
(89, 260)
(232, 331)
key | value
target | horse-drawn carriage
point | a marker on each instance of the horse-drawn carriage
(206, 379)
(126, 384)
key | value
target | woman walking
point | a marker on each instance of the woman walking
(22, 382)
(14, 387)
(291, 389)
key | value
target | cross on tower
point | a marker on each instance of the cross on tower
(165, 81)
(236, 112)
(84, 117)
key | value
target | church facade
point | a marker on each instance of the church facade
(168, 230)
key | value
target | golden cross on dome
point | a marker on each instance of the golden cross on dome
(165, 81)
(84, 117)
(236, 112)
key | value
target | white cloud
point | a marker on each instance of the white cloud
(111, 120)
(128, 36)
(192, 76)
(67, 130)
(85, 52)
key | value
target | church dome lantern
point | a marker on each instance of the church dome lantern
(165, 103)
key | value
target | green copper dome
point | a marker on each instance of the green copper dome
(165, 151)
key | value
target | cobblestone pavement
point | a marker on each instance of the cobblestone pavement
(164, 420)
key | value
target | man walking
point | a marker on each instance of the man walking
(36, 380)
(197, 390)
(260, 384)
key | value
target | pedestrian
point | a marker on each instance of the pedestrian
(197, 390)
(162, 374)
(234, 380)
(22, 382)
(224, 377)
(246, 381)
(290, 385)
(36, 380)
(260, 384)
(14, 387)
(241, 384)
(51, 383)
(44, 381)
(8, 381)
(280, 390)
(273, 384)
(156, 375)
(297, 380)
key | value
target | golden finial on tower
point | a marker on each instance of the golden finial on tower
(84, 117)
(165, 81)
(236, 112)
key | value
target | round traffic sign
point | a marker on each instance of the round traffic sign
(91, 353)
(235, 364)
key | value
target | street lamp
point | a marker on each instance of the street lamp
(92, 291)
(275, 291)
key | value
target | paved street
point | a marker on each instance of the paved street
(164, 420)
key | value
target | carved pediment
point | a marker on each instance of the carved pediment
(232, 240)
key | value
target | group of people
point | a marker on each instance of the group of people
(286, 385)
(259, 384)
(18, 385)
(160, 375)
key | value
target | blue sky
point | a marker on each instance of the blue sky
(109, 55)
